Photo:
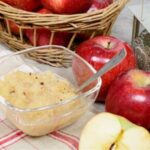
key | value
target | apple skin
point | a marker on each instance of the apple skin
(10, 2)
(44, 11)
(107, 131)
(28, 5)
(67, 6)
(43, 35)
(100, 4)
(13, 27)
(95, 52)
(129, 99)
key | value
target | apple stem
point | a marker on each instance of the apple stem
(109, 45)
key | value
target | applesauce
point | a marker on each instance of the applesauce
(35, 90)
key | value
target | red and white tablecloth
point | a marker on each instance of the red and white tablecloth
(67, 139)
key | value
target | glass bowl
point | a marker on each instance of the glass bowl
(39, 121)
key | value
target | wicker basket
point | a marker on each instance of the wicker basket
(93, 23)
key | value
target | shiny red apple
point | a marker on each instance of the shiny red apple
(100, 4)
(99, 50)
(13, 27)
(29, 5)
(67, 6)
(10, 2)
(129, 96)
(43, 35)
(44, 11)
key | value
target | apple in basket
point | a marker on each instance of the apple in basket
(67, 6)
(129, 96)
(43, 35)
(100, 4)
(29, 5)
(10, 2)
(15, 28)
(107, 131)
(98, 51)
(44, 11)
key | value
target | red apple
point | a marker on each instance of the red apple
(13, 27)
(44, 11)
(29, 5)
(10, 2)
(129, 96)
(43, 35)
(100, 4)
(67, 6)
(98, 51)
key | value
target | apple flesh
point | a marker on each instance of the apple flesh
(129, 96)
(98, 51)
(67, 6)
(111, 132)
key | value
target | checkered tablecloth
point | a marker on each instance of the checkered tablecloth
(13, 139)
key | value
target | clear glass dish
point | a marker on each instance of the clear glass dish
(42, 120)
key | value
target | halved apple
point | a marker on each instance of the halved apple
(111, 132)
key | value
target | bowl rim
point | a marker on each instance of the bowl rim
(61, 103)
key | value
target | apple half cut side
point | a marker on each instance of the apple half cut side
(111, 132)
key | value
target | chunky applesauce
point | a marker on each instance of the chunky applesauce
(33, 90)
